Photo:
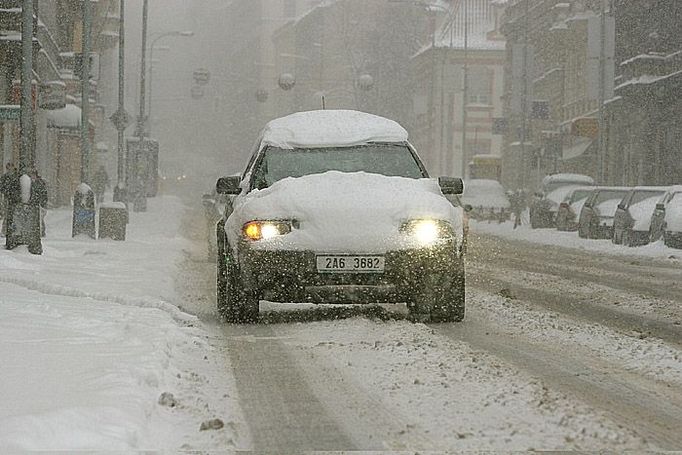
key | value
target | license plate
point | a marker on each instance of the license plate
(350, 264)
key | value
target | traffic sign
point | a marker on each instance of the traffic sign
(120, 119)
(10, 112)
(585, 127)
(201, 76)
(197, 92)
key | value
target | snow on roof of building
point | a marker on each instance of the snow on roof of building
(330, 128)
(481, 22)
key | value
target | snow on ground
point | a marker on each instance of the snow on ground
(571, 240)
(91, 337)
(633, 352)
(420, 376)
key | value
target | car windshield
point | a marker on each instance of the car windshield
(640, 196)
(579, 195)
(385, 159)
(608, 195)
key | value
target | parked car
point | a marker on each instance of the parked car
(632, 220)
(487, 199)
(666, 220)
(337, 207)
(596, 216)
(570, 207)
(545, 207)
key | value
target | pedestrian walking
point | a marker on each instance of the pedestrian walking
(11, 193)
(100, 182)
(518, 205)
(39, 198)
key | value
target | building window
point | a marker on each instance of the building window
(289, 9)
(480, 85)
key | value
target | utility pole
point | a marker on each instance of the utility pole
(601, 169)
(465, 88)
(143, 72)
(121, 115)
(85, 90)
(525, 94)
(27, 134)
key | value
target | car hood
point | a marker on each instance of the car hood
(343, 212)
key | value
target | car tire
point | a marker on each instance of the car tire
(617, 239)
(439, 299)
(627, 238)
(230, 293)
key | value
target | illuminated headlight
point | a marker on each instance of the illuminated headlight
(264, 230)
(427, 231)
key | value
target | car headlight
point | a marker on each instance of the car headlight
(427, 231)
(264, 230)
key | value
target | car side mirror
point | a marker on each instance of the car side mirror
(621, 206)
(660, 206)
(228, 185)
(451, 185)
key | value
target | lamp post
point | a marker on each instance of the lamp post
(26, 156)
(85, 90)
(151, 68)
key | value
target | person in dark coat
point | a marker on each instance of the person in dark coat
(100, 182)
(39, 198)
(11, 191)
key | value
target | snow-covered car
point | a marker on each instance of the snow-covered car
(487, 199)
(544, 209)
(666, 220)
(632, 221)
(570, 207)
(337, 207)
(596, 216)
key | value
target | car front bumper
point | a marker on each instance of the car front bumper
(292, 276)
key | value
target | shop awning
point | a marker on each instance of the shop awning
(67, 118)
(577, 149)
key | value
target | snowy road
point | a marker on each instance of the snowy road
(560, 350)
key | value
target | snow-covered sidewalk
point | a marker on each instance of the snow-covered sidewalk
(95, 353)
(571, 240)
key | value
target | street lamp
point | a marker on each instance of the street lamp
(185, 33)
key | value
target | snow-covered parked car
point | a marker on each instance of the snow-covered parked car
(487, 199)
(632, 221)
(666, 220)
(337, 207)
(596, 216)
(544, 210)
(570, 207)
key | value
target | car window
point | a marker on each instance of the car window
(579, 195)
(639, 196)
(608, 195)
(386, 159)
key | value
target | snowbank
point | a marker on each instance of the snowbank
(571, 240)
(90, 337)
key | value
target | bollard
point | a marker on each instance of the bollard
(83, 212)
(113, 219)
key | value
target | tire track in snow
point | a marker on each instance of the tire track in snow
(639, 404)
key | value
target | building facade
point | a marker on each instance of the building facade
(57, 40)
(453, 120)
(644, 132)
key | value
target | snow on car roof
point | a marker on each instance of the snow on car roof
(568, 178)
(331, 128)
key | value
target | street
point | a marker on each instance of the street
(561, 349)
